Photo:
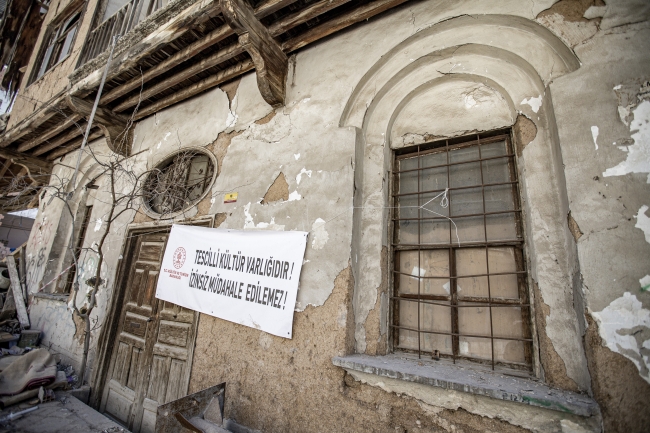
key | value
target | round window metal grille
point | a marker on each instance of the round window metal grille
(178, 182)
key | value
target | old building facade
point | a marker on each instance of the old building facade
(473, 177)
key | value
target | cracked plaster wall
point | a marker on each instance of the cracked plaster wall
(605, 152)
(488, 78)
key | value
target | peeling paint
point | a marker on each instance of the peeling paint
(638, 157)
(249, 223)
(299, 175)
(619, 325)
(643, 222)
(594, 135)
(294, 196)
(320, 234)
(98, 224)
(645, 283)
(535, 103)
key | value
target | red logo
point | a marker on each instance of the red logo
(179, 257)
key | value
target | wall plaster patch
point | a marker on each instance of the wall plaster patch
(638, 154)
(535, 103)
(249, 223)
(320, 234)
(618, 324)
(643, 222)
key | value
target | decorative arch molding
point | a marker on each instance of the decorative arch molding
(530, 41)
(515, 59)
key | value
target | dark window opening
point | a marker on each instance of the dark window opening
(459, 275)
(77, 250)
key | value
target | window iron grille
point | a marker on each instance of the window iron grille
(459, 276)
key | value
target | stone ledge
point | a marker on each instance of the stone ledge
(472, 381)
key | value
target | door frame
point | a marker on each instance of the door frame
(108, 333)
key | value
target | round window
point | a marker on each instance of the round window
(178, 182)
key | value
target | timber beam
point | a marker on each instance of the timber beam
(270, 61)
(117, 128)
(34, 165)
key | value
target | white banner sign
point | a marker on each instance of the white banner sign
(246, 277)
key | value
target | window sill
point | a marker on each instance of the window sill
(61, 297)
(469, 380)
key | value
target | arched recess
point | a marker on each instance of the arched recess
(460, 75)
(59, 256)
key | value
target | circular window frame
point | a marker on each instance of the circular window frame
(162, 161)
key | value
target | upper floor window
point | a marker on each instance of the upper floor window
(459, 281)
(57, 44)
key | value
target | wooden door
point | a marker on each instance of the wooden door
(152, 356)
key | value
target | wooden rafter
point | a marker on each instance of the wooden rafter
(49, 134)
(361, 13)
(215, 59)
(207, 83)
(94, 134)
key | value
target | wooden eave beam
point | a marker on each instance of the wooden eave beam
(69, 135)
(116, 128)
(94, 134)
(304, 15)
(188, 52)
(33, 164)
(270, 61)
(47, 110)
(49, 134)
(213, 60)
(196, 88)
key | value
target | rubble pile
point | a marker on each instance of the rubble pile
(28, 373)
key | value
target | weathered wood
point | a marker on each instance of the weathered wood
(190, 51)
(354, 16)
(49, 134)
(95, 133)
(116, 128)
(213, 60)
(70, 135)
(196, 88)
(128, 58)
(17, 290)
(181, 56)
(31, 123)
(33, 164)
(304, 15)
(270, 61)
(5, 166)
(9, 307)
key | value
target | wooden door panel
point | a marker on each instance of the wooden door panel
(155, 342)
(119, 402)
(148, 422)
